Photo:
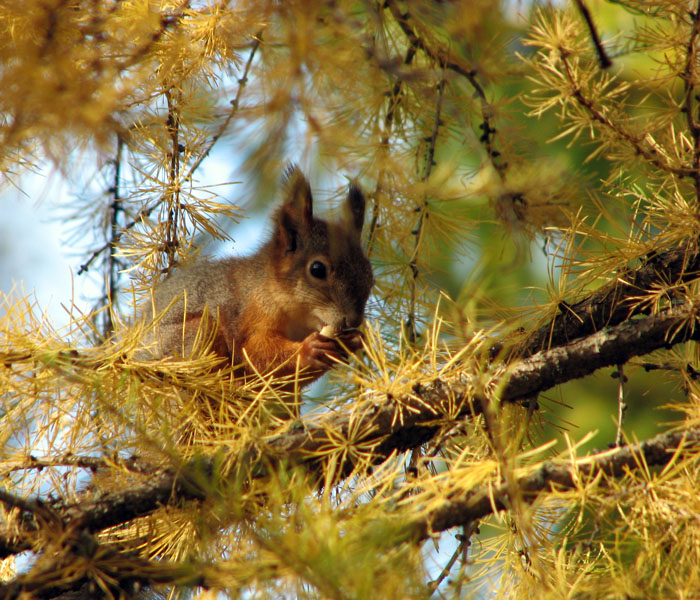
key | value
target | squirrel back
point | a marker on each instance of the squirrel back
(295, 304)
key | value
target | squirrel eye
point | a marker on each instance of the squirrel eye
(318, 270)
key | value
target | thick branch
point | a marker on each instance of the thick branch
(609, 347)
(617, 301)
(659, 450)
(412, 421)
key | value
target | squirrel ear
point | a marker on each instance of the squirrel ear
(356, 208)
(297, 195)
(296, 212)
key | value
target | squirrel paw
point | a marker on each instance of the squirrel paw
(350, 339)
(321, 353)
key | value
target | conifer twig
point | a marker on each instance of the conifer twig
(142, 214)
(115, 209)
(235, 104)
(146, 211)
(442, 57)
(435, 583)
(122, 571)
(603, 58)
(389, 118)
(423, 215)
(172, 194)
(92, 463)
(639, 143)
(690, 101)
(621, 405)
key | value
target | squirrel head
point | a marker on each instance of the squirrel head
(320, 267)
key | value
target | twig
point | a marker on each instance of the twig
(115, 209)
(173, 191)
(147, 210)
(116, 571)
(603, 58)
(413, 420)
(690, 100)
(166, 20)
(635, 142)
(143, 213)
(235, 103)
(442, 57)
(688, 369)
(467, 532)
(423, 215)
(93, 463)
(621, 405)
(394, 104)
(435, 584)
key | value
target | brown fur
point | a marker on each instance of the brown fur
(269, 306)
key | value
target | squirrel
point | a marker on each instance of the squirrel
(292, 306)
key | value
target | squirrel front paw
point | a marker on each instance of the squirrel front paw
(350, 339)
(321, 353)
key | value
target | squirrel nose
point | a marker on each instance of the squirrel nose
(352, 322)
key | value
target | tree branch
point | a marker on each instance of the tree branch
(690, 95)
(102, 570)
(642, 144)
(617, 301)
(146, 211)
(235, 103)
(657, 451)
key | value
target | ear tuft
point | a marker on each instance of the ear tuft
(297, 195)
(288, 173)
(356, 207)
(296, 213)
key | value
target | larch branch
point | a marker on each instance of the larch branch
(441, 56)
(618, 300)
(657, 451)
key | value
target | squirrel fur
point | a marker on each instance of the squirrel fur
(268, 309)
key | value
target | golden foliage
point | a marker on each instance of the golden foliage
(430, 106)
